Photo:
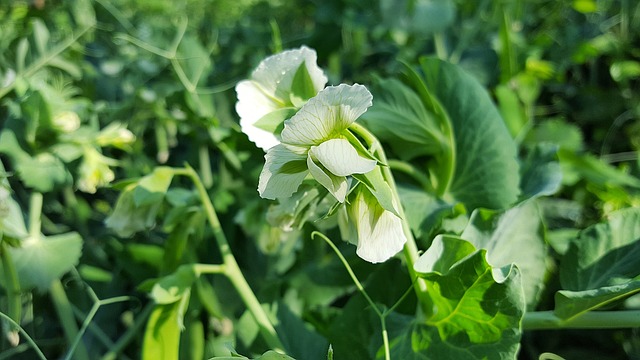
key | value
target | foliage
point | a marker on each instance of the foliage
(480, 183)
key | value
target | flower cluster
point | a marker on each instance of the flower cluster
(304, 129)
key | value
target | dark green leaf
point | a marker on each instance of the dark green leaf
(540, 172)
(485, 168)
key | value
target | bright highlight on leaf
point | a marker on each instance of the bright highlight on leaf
(280, 84)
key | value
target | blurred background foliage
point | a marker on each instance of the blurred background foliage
(562, 72)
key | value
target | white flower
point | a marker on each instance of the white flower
(94, 171)
(67, 121)
(379, 232)
(115, 134)
(313, 142)
(280, 85)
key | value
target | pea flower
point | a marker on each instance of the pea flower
(378, 232)
(313, 141)
(94, 171)
(279, 86)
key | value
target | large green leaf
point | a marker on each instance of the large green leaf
(478, 307)
(505, 234)
(42, 259)
(485, 166)
(399, 117)
(601, 265)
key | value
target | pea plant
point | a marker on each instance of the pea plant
(302, 212)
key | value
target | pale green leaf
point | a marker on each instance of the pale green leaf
(375, 182)
(302, 87)
(127, 218)
(175, 286)
(273, 122)
(341, 158)
(152, 188)
(337, 185)
(282, 173)
(570, 304)
(326, 115)
(540, 172)
(505, 234)
(40, 260)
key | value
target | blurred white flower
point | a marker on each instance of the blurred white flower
(115, 134)
(279, 86)
(67, 121)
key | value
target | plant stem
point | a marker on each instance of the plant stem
(12, 288)
(232, 270)
(26, 336)
(544, 320)
(411, 253)
(129, 335)
(67, 320)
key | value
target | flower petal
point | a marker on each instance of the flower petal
(326, 115)
(380, 233)
(282, 173)
(275, 74)
(253, 105)
(337, 185)
(341, 158)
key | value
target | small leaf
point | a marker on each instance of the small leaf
(152, 188)
(40, 260)
(174, 287)
(273, 122)
(540, 173)
(302, 87)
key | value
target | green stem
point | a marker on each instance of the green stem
(544, 320)
(382, 316)
(441, 49)
(25, 335)
(232, 270)
(411, 253)
(64, 311)
(12, 286)
(35, 215)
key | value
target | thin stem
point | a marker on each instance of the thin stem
(12, 286)
(25, 335)
(382, 316)
(541, 320)
(232, 270)
(441, 49)
(35, 215)
(411, 253)
(64, 311)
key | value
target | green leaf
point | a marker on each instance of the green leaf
(273, 122)
(505, 234)
(43, 172)
(374, 181)
(511, 109)
(594, 170)
(427, 211)
(127, 218)
(302, 87)
(399, 117)
(40, 260)
(602, 259)
(298, 339)
(162, 335)
(174, 287)
(152, 188)
(485, 168)
(567, 136)
(540, 172)
(479, 308)
(282, 173)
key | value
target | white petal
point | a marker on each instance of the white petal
(282, 173)
(327, 114)
(341, 158)
(275, 73)
(380, 234)
(252, 105)
(337, 185)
